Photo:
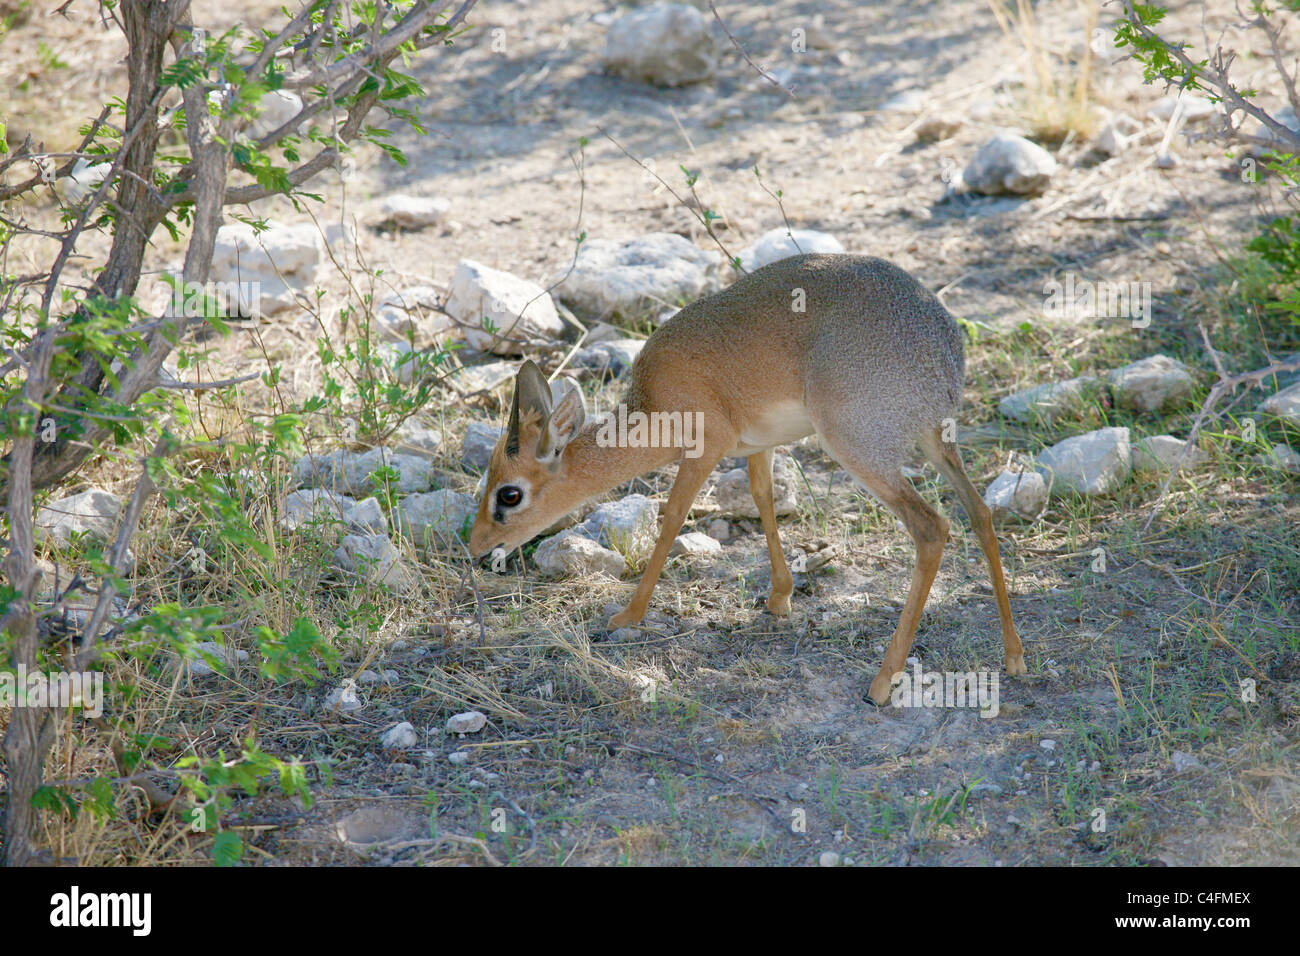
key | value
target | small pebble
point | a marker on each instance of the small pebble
(470, 722)
(401, 737)
(1182, 761)
(344, 698)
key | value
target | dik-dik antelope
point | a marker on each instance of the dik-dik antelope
(849, 347)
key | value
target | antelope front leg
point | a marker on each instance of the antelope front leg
(760, 486)
(690, 478)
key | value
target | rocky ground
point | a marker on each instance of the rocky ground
(491, 715)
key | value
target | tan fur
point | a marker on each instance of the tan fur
(874, 365)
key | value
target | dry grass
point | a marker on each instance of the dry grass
(1058, 99)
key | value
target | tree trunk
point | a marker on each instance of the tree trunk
(148, 25)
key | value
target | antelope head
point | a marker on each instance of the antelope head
(531, 482)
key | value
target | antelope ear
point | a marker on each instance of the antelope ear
(564, 423)
(532, 394)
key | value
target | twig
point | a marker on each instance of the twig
(204, 386)
(758, 69)
(682, 202)
(1224, 385)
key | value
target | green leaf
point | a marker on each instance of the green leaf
(227, 849)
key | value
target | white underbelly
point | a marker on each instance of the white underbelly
(779, 424)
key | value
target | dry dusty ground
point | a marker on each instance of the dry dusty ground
(756, 722)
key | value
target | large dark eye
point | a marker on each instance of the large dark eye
(509, 496)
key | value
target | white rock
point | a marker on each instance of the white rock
(351, 472)
(436, 519)
(1091, 464)
(274, 109)
(1286, 116)
(415, 312)
(373, 557)
(719, 530)
(482, 377)
(603, 332)
(666, 43)
(459, 758)
(1281, 456)
(777, 244)
(1049, 402)
(314, 506)
(263, 271)
(1284, 405)
(638, 278)
(908, 101)
(226, 658)
(399, 359)
(695, 544)
(1020, 493)
(1009, 164)
(616, 355)
(1153, 384)
(829, 858)
(409, 212)
(1118, 134)
(414, 438)
(77, 607)
(1163, 452)
(413, 473)
(470, 722)
(341, 240)
(400, 737)
(629, 524)
(343, 698)
(1183, 761)
(570, 553)
(476, 448)
(81, 182)
(92, 514)
(521, 311)
(733, 495)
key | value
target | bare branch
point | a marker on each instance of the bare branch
(388, 46)
(1215, 74)
(757, 69)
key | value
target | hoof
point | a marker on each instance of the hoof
(878, 693)
(624, 619)
(1015, 664)
(780, 606)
